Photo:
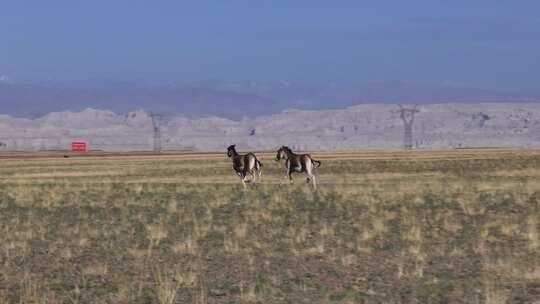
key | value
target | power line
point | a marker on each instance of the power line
(407, 115)
(156, 123)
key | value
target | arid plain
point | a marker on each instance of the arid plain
(449, 226)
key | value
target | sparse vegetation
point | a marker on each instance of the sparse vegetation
(384, 227)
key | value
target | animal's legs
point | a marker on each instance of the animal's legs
(245, 174)
(258, 173)
(311, 176)
(288, 176)
(242, 178)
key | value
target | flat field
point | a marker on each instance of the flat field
(458, 226)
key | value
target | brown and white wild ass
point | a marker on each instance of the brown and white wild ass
(245, 164)
(300, 163)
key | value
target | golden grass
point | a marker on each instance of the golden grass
(383, 227)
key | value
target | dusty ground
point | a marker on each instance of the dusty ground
(457, 226)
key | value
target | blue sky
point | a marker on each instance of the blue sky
(490, 44)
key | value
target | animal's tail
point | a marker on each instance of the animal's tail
(316, 161)
(259, 162)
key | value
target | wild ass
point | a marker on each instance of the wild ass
(244, 164)
(298, 163)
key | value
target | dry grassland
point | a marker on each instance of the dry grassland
(384, 227)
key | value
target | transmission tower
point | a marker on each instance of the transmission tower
(156, 123)
(407, 115)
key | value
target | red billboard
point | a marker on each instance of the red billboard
(78, 146)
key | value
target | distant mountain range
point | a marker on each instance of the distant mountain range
(375, 126)
(234, 100)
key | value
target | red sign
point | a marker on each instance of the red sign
(78, 146)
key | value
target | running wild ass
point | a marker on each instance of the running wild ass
(244, 164)
(300, 163)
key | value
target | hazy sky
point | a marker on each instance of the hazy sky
(492, 44)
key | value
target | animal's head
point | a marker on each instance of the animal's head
(231, 150)
(282, 153)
